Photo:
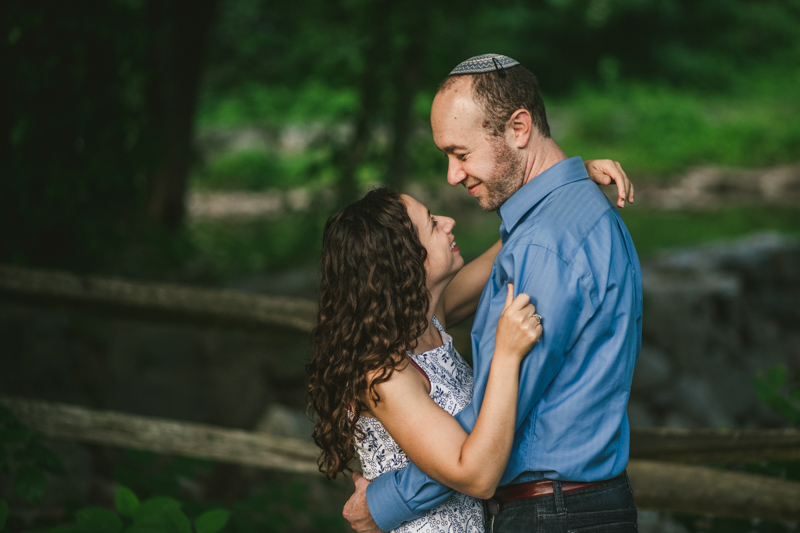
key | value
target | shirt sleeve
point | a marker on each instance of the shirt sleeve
(563, 297)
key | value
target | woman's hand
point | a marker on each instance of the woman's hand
(604, 171)
(519, 327)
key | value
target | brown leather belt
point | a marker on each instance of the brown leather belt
(543, 487)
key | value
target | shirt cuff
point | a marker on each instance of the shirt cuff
(386, 505)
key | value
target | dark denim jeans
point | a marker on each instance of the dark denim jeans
(603, 508)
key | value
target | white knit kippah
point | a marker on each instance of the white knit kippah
(484, 63)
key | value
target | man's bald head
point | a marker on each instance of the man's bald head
(500, 96)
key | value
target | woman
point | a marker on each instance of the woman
(383, 368)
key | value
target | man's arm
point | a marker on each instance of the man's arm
(562, 298)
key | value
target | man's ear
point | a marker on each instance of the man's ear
(520, 128)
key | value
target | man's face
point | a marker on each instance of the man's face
(488, 166)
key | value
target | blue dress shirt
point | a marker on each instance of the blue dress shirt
(565, 245)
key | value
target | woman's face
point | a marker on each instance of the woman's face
(436, 234)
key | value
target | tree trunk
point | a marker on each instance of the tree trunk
(177, 55)
(407, 82)
(375, 25)
(357, 148)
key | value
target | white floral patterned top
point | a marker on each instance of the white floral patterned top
(451, 389)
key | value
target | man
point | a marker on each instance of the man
(566, 246)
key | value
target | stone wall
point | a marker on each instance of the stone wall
(714, 317)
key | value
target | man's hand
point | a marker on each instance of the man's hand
(604, 171)
(356, 511)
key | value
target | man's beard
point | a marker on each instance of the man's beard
(506, 177)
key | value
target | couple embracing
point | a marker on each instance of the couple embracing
(535, 437)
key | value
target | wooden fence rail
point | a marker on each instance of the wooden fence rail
(154, 301)
(663, 486)
(657, 485)
(715, 445)
(60, 421)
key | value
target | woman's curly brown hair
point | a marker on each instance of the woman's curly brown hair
(373, 306)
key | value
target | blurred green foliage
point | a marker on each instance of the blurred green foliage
(656, 130)
(276, 105)
(661, 230)
(155, 515)
(234, 249)
(254, 170)
(24, 459)
(780, 392)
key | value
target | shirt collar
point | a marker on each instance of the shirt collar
(530, 194)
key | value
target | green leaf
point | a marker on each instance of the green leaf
(40, 456)
(153, 512)
(30, 482)
(794, 395)
(177, 522)
(777, 376)
(212, 521)
(127, 502)
(144, 529)
(73, 528)
(3, 513)
(16, 435)
(98, 520)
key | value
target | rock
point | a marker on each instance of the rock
(662, 400)
(710, 186)
(720, 313)
(285, 422)
(695, 398)
(676, 419)
(732, 387)
(680, 308)
(652, 370)
(655, 522)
